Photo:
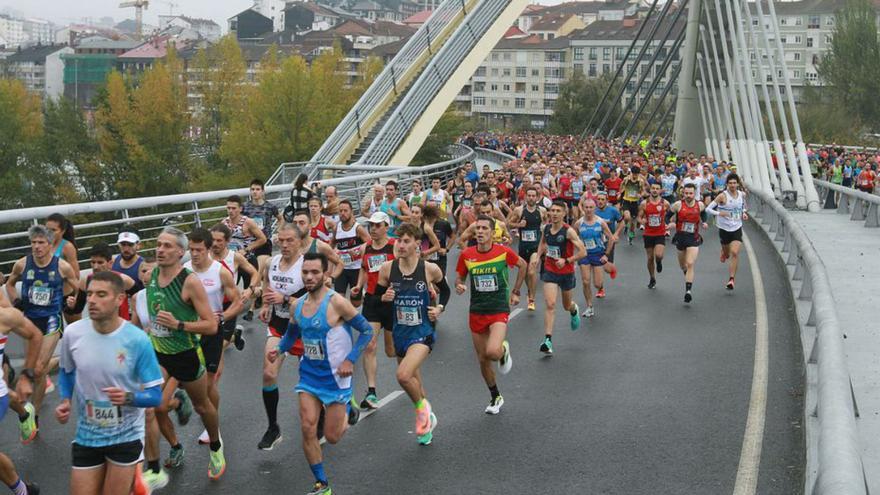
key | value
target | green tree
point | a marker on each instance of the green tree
(852, 65)
(21, 128)
(450, 126)
(578, 97)
(69, 149)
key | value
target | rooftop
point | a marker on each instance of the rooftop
(97, 43)
(588, 7)
(418, 17)
(551, 22)
(618, 30)
(533, 42)
(809, 7)
(35, 53)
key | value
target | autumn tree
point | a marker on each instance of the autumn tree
(21, 127)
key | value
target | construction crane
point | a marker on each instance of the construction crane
(171, 6)
(139, 6)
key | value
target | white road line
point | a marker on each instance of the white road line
(753, 439)
(514, 313)
(382, 403)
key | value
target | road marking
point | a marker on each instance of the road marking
(753, 438)
(514, 313)
(366, 414)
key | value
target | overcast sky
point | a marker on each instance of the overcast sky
(67, 11)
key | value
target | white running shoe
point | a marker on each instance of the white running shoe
(506, 362)
(494, 406)
(204, 439)
(590, 312)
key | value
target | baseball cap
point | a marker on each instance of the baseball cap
(128, 236)
(380, 217)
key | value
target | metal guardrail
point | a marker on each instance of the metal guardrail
(834, 459)
(865, 206)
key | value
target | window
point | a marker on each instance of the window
(797, 74)
(494, 102)
(505, 102)
(519, 103)
(551, 89)
(494, 57)
(813, 22)
(829, 21)
(554, 57)
(809, 42)
(494, 72)
(520, 72)
(520, 87)
(548, 104)
(619, 53)
(550, 36)
(506, 72)
(494, 88)
(592, 55)
(783, 21)
(797, 56)
(536, 88)
(533, 103)
(812, 76)
(479, 100)
(827, 39)
(606, 53)
(798, 40)
(536, 72)
(579, 68)
(816, 59)
(606, 68)
(798, 21)
(578, 53)
(506, 87)
(783, 40)
(479, 87)
(752, 56)
(506, 56)
(591, 70)
(481, 72)
(754, 22)
(555, 72)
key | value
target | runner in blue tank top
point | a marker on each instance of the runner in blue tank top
(597, 239)
(409, 284)
(324, 320)
(394, 207)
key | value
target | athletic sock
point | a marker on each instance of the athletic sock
(270, 403)
(494, 391)
(371, 390)
(24, 417)
(688, 285)
(548, 337)
(318, 471)
(420, 404)
(177, 447)
(215, 446)
(153, 466)
(18, 488)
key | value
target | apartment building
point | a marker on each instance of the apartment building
(40, 68)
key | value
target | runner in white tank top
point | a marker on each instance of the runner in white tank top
(210, 279)
(729, 209)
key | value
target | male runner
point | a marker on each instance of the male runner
(634, 186)
(247, 236)
(372, 202)
(45, 281)
(729, 208)
(12, 320)
(380, 314)
(408, 280)
(487, 265)
(669, 183)
(112, 367)
(282, 280)
(179, 313)
(593, 231)
(529, 218)
(100, 260)
(235, 263)
(223, 297)
(688, 214)
(440, 198)
(262, 213)
(128, 261)
(442, 231)
(560, 248)
(347, 241)
(652, 217)
(322, 321)
(394, 207)
(301, 220)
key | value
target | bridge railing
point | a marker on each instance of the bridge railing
(100, 221)
(834, 462)
(859, 205)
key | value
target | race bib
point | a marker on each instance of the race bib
(160, 331)
(282, 310)
(689, 227)
(529, 235)
(103, 414)
(375, 262)
(736, 214)
(434, 256)
(590, 243)
(345, 257)
(259, 221)
(612, 193)
(553, 252)
(486, 283)
(577, 187)
(40, 295)
(409, 316)
(653, 220)
(313, 349)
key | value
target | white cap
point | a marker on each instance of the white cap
(128, 237)
(380, 217)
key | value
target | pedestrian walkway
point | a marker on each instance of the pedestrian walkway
(850, 253)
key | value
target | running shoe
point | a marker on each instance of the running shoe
(237, 339)
(688, 297)
(546, 346)
(155, 480)
(423, 418)
(271, 438)
(204, 439)
(652, 283)
(723, 257)
(575, 317)
(184, 411)
(320, 488)
(506, 362)
(613, 273)
(248, 316)
(175, 457)
(217, 464)
(495, 404)
(631, 236)
(531, 304)
(730, 284)
(659, 263)
(32, 488)
(427, 438)
(28, 427)
(354, 413)
(370, 402)
(590, 312)
(601, 293)
(50, 387)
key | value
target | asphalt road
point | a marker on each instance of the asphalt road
(650, 396)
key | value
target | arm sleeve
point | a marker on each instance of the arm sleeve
(290, 337)
(712, 209)
(149, 397)
(669, 215)
(445, 291)
(365, 330)
(66, 380)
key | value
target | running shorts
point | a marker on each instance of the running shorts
(728, 237)
(653, 240)
(480, 323)
(376, 311)
(212, 350)
(327, 397)
(592, 260)
(631, 206)
(526, 252)
(277, 327)
(347, 280)
(402, 344)
(684, 240)
(186, 366)
(47, 324)
(120, 454)
(564, 281)
(265, 249)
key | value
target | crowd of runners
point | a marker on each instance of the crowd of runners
(141, 339)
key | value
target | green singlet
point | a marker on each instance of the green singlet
(169, 298)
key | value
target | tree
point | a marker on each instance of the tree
(450, 126)
(852, 66)
(578, 98)
(69, 149)
(20, 130)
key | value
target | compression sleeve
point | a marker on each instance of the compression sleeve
(365, 330)
(712, 209)
(703, 216)
(150, 397)
(445, 291)
(669, 215)
(66, 382)
(290, 337)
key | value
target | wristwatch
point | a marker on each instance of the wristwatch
(29, 372)
(129, 398)
(442, 307)
(180, 326)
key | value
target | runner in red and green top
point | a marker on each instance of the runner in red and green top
(487, 264)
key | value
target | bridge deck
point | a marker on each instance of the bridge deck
(649, 397)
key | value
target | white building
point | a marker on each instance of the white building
(38, 31)
(273, 9)
(12, 30)
(40, 68)
(207, 29)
